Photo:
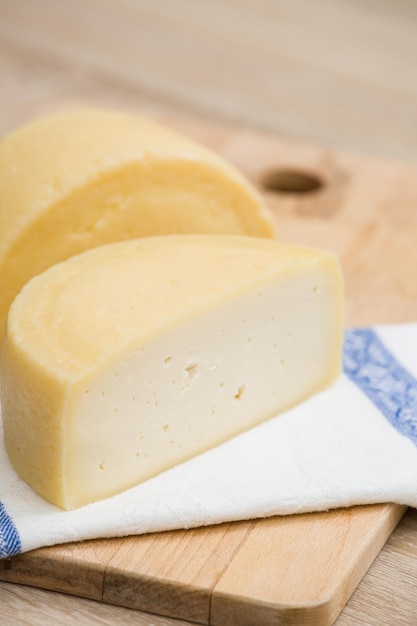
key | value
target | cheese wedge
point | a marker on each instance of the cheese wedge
(76, 181)
(130, 358)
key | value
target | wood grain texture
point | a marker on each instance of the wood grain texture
(173, 573)
(386, 595)
(60, 569)
(296, 569)
(301, 569)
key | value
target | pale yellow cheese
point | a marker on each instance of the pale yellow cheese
(72, 182)
(132, 357)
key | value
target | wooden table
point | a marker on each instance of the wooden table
(342, 74)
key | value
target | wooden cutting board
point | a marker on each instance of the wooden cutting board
(287, 570)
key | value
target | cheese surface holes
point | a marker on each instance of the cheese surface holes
(132, 357)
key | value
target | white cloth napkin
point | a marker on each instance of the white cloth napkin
(355, 443)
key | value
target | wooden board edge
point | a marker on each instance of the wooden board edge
(229, 610)
(393, 513)
(159, 597)
(72, 577)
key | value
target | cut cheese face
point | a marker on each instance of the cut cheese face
(76, 181)
(130, 358)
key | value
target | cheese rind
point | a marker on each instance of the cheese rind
(128, 359)
(75, 181)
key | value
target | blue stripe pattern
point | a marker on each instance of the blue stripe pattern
(10, 543)
(382, 378)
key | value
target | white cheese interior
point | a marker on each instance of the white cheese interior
(199, 382)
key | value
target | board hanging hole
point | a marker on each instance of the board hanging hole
(291, 181)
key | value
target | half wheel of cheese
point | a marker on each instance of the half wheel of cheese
(127, 359)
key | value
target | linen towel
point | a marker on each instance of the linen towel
(355, 443)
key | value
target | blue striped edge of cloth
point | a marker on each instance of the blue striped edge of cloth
(10, 543)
